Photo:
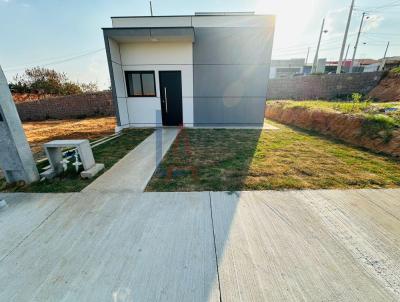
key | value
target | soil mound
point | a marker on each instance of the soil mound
(388, 89)
(346, 127)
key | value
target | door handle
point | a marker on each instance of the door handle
(166, 99)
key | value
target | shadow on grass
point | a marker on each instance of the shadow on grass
(287, 158)
(207, 160)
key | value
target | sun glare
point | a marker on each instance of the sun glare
(292, 17)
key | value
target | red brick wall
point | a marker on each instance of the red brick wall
(67, 107)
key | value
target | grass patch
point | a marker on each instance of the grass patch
(379, 125)
(288, 158)
(395, 70)
(109, 153)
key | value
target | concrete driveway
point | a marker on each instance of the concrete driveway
(206, 246)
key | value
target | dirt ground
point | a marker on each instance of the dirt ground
(388, 90)
(39, 133)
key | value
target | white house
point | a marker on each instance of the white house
(209, 69)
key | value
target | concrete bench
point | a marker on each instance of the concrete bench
(54, 154)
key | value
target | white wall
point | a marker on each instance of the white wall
(151, 21)
(196, 21)
(155, 56)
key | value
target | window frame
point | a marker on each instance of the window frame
(139, 72)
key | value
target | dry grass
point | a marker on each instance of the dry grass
(90, 128)
(287, 158)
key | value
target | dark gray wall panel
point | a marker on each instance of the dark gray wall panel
(230, 80)
(239, 111)
(230, 75)
(232, 45)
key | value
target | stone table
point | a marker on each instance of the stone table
(55, 155)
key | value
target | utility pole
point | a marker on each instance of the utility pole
(305, 63)
(151, 9)
(347, 52)
(384, 57)
(355, 46)
(339, 68)
(308, 52)
(314, 66)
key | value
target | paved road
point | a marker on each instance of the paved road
(205, 246)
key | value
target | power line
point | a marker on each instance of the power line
(62, 60)
(324, 42)
(383, 34)
(384, 6)
(302, 52)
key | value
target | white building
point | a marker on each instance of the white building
(205, 69)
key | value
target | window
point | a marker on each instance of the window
(140, 83)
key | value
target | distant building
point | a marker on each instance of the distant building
(372, 67)
(293, 67)
(391, 62)
(286, 68)
(360, 65)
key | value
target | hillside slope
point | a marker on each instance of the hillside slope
(388, 89)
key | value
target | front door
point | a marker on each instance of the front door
(171, 97)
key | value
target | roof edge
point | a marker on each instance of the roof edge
(210, 15)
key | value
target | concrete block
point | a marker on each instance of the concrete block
(54, 153)
(92, 171)
(49, 174)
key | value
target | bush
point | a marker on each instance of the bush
(356, 97)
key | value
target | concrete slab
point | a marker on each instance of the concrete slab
(148, 247)
(265, 126)
(291, 246)
(133, 172)
(23, 214)
(206, 246)
(268, 126)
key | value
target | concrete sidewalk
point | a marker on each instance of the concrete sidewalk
(133, 172)
(323, 245)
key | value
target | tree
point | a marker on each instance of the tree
(89, 87)
(49, 81)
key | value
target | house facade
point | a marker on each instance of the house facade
(200, 70)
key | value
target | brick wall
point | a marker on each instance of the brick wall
(67, 107)
(327, 86)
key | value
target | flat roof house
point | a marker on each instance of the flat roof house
(209, 69)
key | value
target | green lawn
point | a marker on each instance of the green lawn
(70, 181)
(288, 158)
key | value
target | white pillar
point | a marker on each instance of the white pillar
(16, 160)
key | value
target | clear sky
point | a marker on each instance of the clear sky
(66, 34)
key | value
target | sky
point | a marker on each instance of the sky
(66, 34)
